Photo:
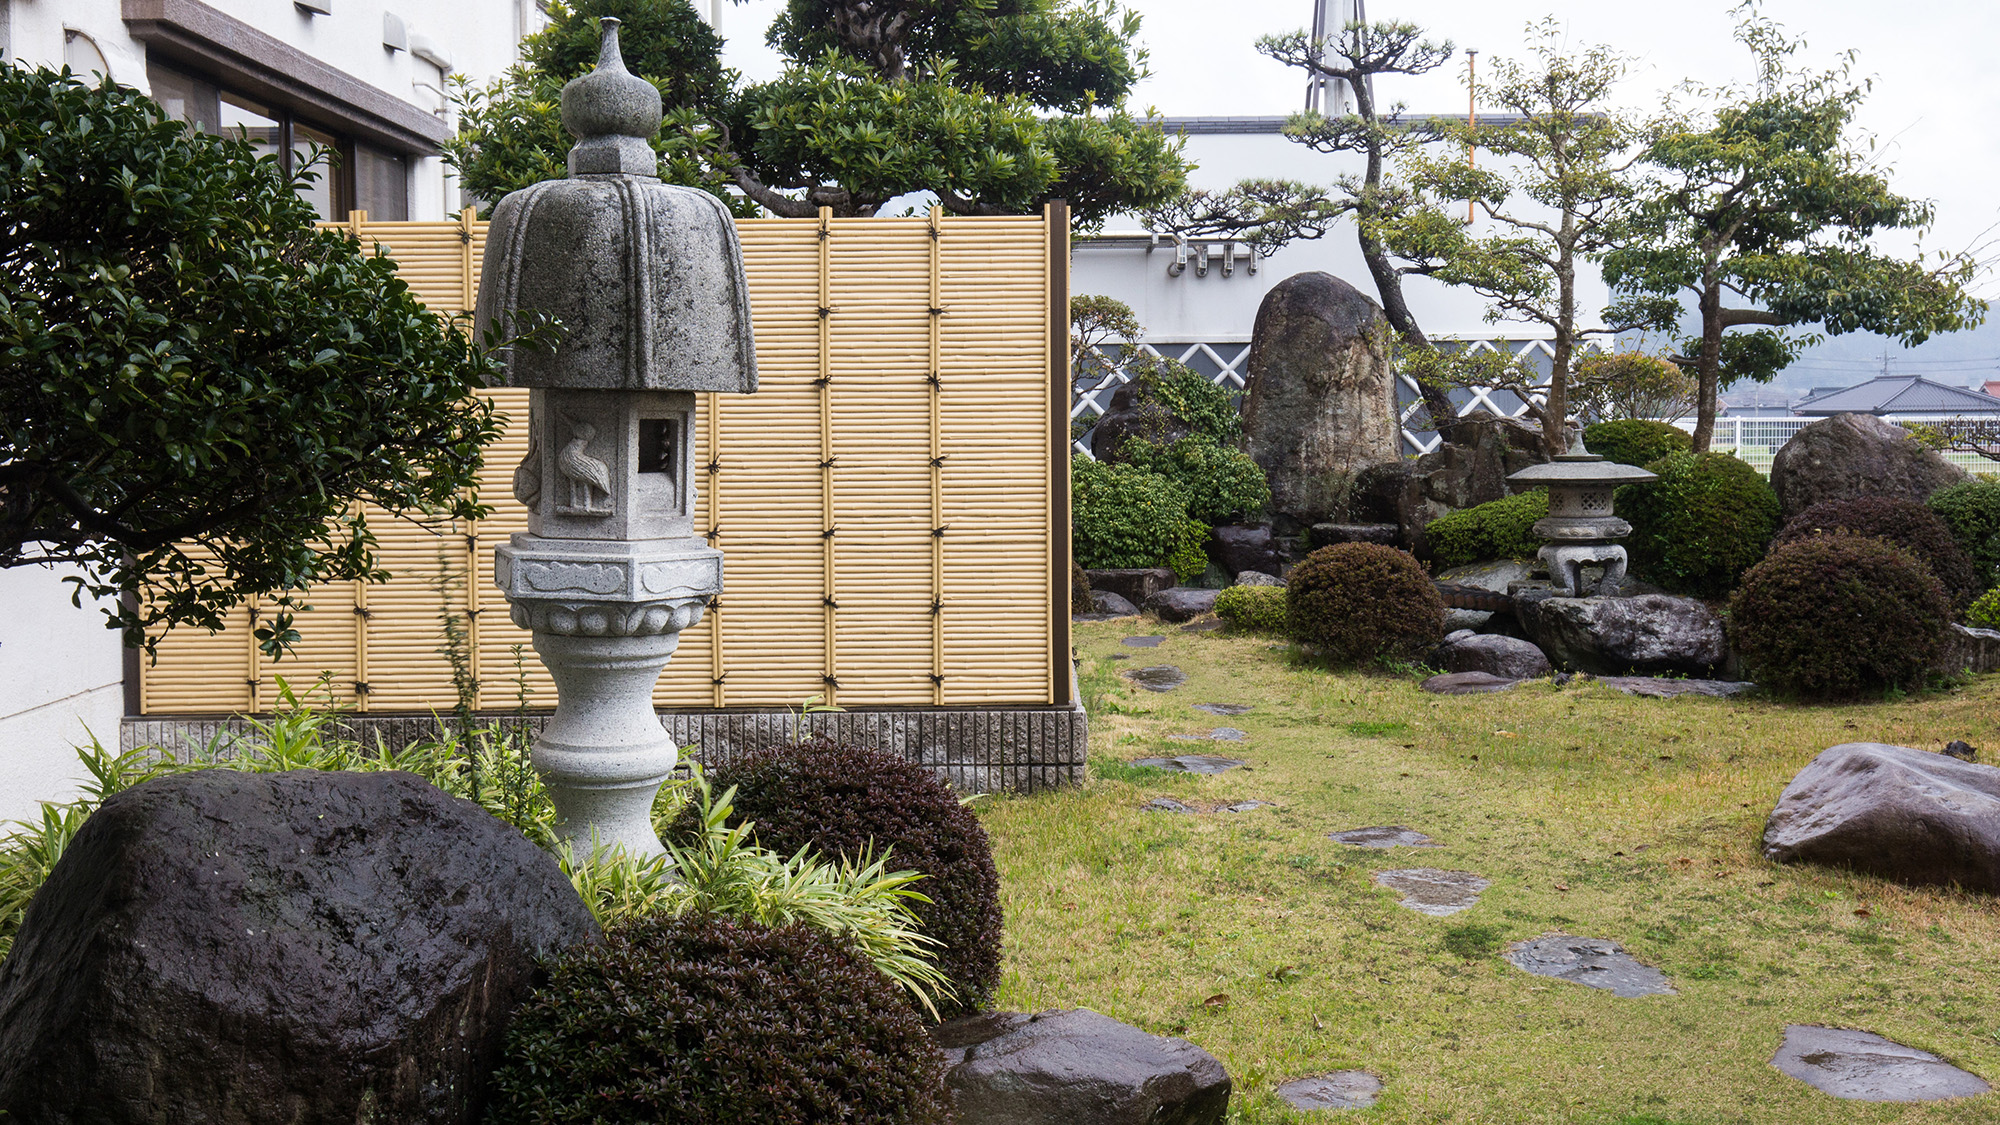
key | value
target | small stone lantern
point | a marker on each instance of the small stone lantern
(1580, 528)
(645, 283)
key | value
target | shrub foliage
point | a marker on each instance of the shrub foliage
(1635, 441)
(1124, 516)
(1358, 601)
(1972, 511)
(1701, 525)
(703, 1020)
(1497, 529)
(1253, 609)
(1834, 615)
(842, 801)
(1905, 523)
(1222, 484)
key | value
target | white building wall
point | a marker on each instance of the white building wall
(61, 680)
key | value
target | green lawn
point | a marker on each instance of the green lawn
(1257, 937)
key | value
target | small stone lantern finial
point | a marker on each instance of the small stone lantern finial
(613, 113)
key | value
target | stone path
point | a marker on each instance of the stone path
(1390, 836)
(1224, 708)
(1169, 804)
(1192, 763)
(1142, 642)
(1216, 734)
(1655, 687)
(1864, 1067)
(1428, 890)
(1158, 677)
(1588, 961)
(1343, 1089)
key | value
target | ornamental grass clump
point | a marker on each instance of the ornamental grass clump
(1906, 524)
(1252, 609)
(1362, 601)
(849, 803)
(1701, 525)
(701, 1019)
(1497, 529)
(1835, 615)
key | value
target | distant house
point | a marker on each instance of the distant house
(1991, 387)
(1899, 394)
(1755, 402)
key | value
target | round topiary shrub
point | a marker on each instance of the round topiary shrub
(1358, 601)
(1635, 441)
(1497, 529)
(841, 800)
(1835, 615)
(1701, 525)
(1906, 523)
(698, 1019)
(1124, 516)
(1252, 609)
(1972, 511)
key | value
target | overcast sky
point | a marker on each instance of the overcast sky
(1934, 109)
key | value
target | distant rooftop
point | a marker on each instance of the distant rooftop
(1898, 394)
(1213, 126)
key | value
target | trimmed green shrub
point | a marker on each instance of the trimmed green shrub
(1972, 511)
(1253, 609)
(1222, 484)
(1984, 612)
(843, 800)
(1838, 614)
(1497, 529)
(1635, 441)
(1123, 516)
(1701, 525)
(698, 1019)
(1905, 523)
(1358, 601)
(1181, 396)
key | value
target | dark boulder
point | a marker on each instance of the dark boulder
(1104, 601)
(1508, 657)
(1077, 1067)
(1320, 401)
(1134, 585)
(228, 948)
(1851, 455)
(1135, 411)
(1891, 811)
(1182, 603)
(1650, 634)
(1330, 534)
(1246, 547)
(1468, 470)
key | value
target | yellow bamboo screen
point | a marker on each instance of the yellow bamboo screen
(883, 500)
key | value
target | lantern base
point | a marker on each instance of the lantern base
(1565, 563)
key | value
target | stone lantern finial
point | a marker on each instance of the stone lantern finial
(613, 113)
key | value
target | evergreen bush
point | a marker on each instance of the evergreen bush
(1905, 523)
(1222, 484)
(1635, 441)
(1497, 529)
(1984, 612)
(1124, 516)
(702, 1020)
(1972, 511)
(1834, 615)
(1701, 525)
(1359, 601)
(1252, 609)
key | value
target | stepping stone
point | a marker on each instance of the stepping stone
(1466, 683)
(1864, 1067)
(1656, 687)
(1158, 677)
(1343, 1089)
(1142, 642)
(1168, 804)
(1208, 626)
(1588, 961)
(1091, 618)
(1428, 890)
(1224, 708)
(1192, 763)
(1247, 806)
(1392, 836)
(1219, 734)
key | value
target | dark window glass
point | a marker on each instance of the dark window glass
(188, 100)
(381, 183)
(319, 154)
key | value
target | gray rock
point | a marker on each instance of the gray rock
(321, 946)
(1142, 642)
(1077, 1067)
(1191, 763)
(1588, 961)
(1135, 412)
(1864, 1067)
(1654, 687)
(1498, 576)
(1182, 603)
(1218, 734)
(1470, 468)
(1644, 635)
(1466, 619)
(1321, 398)
(1135, 586)
(1225, 708)
(1850, 455)
(1112, 604)
(1168, 804)
(1333, 534)
(1247, 806)
(1508, 657)
(1467, 683)
(1246, 547)
(1967, 649)
(1157, 677)
(1387, 836)
(1342, 1089)
(1257, 578)
(1428, 890)
(1892, 811)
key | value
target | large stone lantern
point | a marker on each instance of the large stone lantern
(1580, 529)
(645, 283)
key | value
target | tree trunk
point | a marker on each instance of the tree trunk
(1708, 366)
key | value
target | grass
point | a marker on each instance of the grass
(1592, 812)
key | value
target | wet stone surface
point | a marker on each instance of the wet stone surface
(1218, 734)
(1142, 642)
(1466, 683)
(1158, 677)
(1864, 1067)
(1588, 961)
(1169, 804)
(1192, 763)
(1428, 890)
(1343, 1089)
(1390, 836)
(1224, 708)
(1655, 687)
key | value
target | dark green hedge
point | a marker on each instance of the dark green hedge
(1498, 529)
(1835, 615)
(1635, 441)
(1359, 601)
(1905, 523)
(1701, 525)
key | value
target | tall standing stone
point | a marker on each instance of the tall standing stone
(1853, 455)
(1322, 395)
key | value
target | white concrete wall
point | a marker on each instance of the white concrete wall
(61, 680)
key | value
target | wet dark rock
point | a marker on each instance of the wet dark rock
(1134, 585)
(1963, 751)
(1646, 635)
(1852, 455)
(1182, 603)
(1892, 811)
(1342, 1089)
(1428, 890)
(1588, 961)
(1191, 763)
(1333, 534)
(1077, 1067)
(1224, 708)
(1389, 836)
(1142, 642)
(1467, 683)
(1245, 547)
(322, 946)
(1507, 657)
(1157, 677)
(1864, 1067)
(1112, 604)
(1655, 687)
(1257, 578)
(1470, 468)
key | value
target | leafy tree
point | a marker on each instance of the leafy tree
(1558, 197)
(995, 106)
(196, 384)
(1632, 385)
(1764, 214)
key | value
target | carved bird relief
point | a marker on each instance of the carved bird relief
(587, 475)
(528, 474)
